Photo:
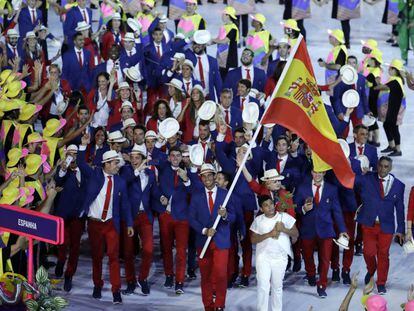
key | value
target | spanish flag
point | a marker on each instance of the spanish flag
(296, 104)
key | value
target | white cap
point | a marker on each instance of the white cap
(141, 149)
(126, 104)
(163, 18)
(116, 137)
(72, 148)
(81, 26)
(12, 33)
(129, 36)
(175, 83)
(128, 122)
(198, 87)
(207, 168)
(30, 34)
(179, 36)
(116, 16)
(189, 63)
(123, 85)
(178, 56)
(109, 156)
(150, 134)
(42, 27)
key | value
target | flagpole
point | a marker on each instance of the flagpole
(256, 133)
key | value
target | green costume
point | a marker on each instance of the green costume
(405, 34)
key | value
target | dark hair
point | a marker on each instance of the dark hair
(247, 83)
(140, 127)
(240, 130)
(75, 98)
(278, 70)
(101, 74)
(96, 130)
(175, 148)
(192, 104)
(76, 35)
(226, 177)
(204, 123)
(263, 198)
(157, 105)
(251, 52)
(227, 90)
(122, 27)
(282, 137)
(385, 158)
(156, 29)
(353, 57)
(83, 107)
(358, 127)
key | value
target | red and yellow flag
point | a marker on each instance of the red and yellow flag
(297, 105)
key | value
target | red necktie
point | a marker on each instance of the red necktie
(158, 51)
(201, 70)
(188, 87)
(33, 17)
(381, 185)
(227, 119)
(107, 198)
(84, 16)
(316, 196)
(203, 144)
(80, 58)
(278, 165)
(248, 77)
(14, 52)
(242, 103)
(210, 201)
(175, 179)
(229, 137)
(360, 150)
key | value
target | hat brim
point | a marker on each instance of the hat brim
(119, 141)
(207, 171)
(280, 177)
(111, 159)
(340, 244)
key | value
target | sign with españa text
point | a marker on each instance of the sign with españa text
(31, 224)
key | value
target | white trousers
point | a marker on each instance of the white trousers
(270, 273)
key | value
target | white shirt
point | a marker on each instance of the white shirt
(101, 115)
(206, 70)
(82, 55)
(213, 195)
(270, 246)
(357, 148)
(144, 182)
(320, 189)
(166, 36)
(251, 72)
(84, 14)
(244, 102)
(132, 52)
(188, 83)
(175, 108)
(282, 162)
(97, 206)
(158, 46)
(32, 12)
(110, 65)
(58, 99)
(387, 183)
(12, 48)
(206, 143)
(77, 174)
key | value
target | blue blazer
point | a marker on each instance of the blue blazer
(154, 25)
(152, 63)
(129, 61)
(215, 83)
(346, 196)
(10, 55)
(341, 88)
(338, 125)
(235, 75)
(121, 208)
(73, 17)
(97, 160)
(272, 67)
(236, 120)
(76, 75)
(374, 206)
(25, 21)
(200, 217)
(319, 221)
(178, 195)
(135, 193)
(69, 201)
(228, 165)
(369, 151)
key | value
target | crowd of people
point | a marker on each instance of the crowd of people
(140, 125)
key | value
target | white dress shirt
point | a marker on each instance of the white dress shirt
(282, 162)
(144, 182)
(357, 148)
(206, 70)
(97, 206)
(387, 183)
(175, 108)
(251, 72)
(320, 189)
(84, 14)
(101, 115)
(58, 99)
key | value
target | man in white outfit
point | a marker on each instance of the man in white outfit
(271, 231)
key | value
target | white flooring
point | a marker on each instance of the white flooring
(297, 295)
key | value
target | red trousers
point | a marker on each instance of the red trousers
(376, 251)
(324, 255)
(213, 269)
(171, 230)
(348, 255)
(103, 234)
(73, 232)
(246, 244)
(143, 227)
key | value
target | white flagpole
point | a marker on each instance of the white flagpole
(256, 133)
